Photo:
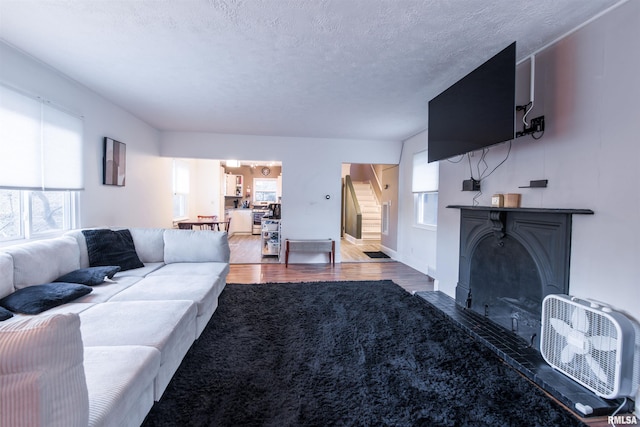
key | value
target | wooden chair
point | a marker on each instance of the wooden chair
(227, 225)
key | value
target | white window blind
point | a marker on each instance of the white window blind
(425, 175)
(180, 177)
(40, 145)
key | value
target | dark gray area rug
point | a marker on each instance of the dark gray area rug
(344, 354)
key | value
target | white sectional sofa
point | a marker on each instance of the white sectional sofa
(104, 358)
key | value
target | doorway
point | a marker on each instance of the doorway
(369, 212)
(250, 205)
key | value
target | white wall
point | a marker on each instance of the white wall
(205, 195)
(587, 88)
(416, 245)
(311, 170)
(144, 200)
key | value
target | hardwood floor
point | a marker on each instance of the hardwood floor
(350, 252)
(408, 278)
(248, 266)
(246, 249)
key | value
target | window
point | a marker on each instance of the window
(265, 190)
(40, 166)
(32, 214)
(180, 189)
(426, 208)
(11, 215)
(425, 190)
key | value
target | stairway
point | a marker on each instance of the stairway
(371, 211)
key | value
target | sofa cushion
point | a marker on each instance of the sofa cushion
(109, 247)
(5, 314)
(193, 269)
(169, 326)
(195, 246)
(199, 289)
(82, 246)
(42, 380)
(106, 291)
(90, 276)
(39, 298)
(140, 272)
(149, 243)
(120, 382)
(43, 261)
(6, 274)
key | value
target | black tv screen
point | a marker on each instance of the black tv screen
(477, 111)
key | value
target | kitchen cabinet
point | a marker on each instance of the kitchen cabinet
(241, 221)
(233, 185)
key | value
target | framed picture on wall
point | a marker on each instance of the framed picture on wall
(115, 161)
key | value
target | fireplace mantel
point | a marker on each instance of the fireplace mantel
(531, 210)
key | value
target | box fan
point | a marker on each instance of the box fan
(591, 344)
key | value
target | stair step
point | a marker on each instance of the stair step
(371, 233)
(371, 211)
(370, 236)
(366, 196)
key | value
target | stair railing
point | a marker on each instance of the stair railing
(352, 212)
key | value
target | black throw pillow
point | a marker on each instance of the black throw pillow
(108, 247)
(5, 314)
(90, 276)
(39, 298)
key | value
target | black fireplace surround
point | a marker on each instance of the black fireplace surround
(510, 259)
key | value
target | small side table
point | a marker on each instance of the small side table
(310, 246)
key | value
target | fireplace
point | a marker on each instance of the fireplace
(499, 249)
(510, 259)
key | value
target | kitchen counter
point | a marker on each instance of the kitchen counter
(241, 220)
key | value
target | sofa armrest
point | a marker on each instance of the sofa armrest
(42, 379)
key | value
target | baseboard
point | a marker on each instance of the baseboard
(390, 252)
(349, 238)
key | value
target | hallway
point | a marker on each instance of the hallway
(245, 249)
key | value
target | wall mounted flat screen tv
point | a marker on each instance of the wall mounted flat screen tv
(477, 111)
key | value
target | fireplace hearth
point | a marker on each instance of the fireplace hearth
(528, 361)
(510, 259)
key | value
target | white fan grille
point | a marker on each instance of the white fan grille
(578, 368)
(580, 336)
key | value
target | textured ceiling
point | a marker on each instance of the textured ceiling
(361, 69)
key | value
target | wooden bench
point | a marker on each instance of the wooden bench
(310, 246)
